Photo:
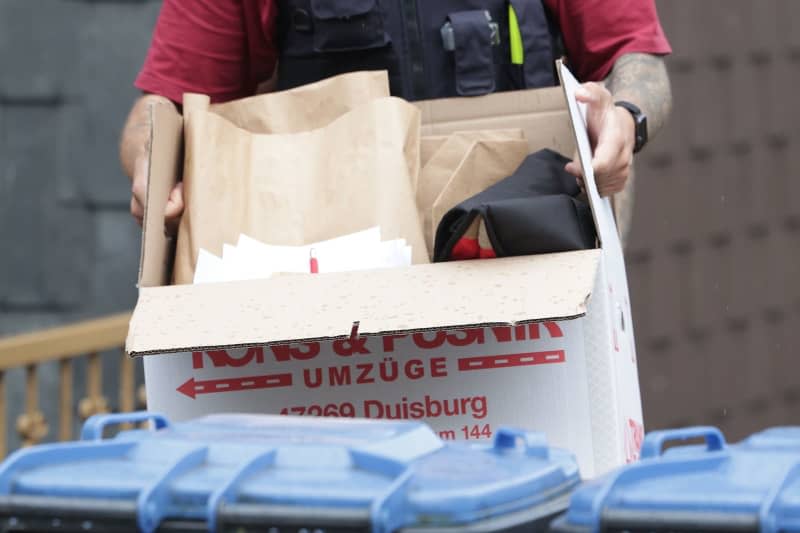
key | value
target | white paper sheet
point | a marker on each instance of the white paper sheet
(252, 259)
(208, 269)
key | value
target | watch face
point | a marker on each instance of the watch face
(641, 132)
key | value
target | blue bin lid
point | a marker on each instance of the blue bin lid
(750, 486)
(222, 469)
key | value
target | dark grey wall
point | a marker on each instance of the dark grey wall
(70, 249)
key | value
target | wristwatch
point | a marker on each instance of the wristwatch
(640, 120)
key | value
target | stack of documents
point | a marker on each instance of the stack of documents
(252, 259)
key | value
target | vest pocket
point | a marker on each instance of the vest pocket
(341, 26)
(473, 40)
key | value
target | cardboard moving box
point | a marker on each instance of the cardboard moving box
(540, 342)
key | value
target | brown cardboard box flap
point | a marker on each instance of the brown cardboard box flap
(166, 160)
(288, 309)
(540, 113)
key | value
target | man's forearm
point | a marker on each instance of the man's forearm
(642, 79)
(135, 138)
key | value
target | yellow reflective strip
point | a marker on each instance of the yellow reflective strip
(515, 38)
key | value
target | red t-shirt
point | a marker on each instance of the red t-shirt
(226, 48)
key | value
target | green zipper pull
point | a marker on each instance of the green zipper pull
(515, 38)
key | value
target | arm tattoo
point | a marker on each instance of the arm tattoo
(642, 80)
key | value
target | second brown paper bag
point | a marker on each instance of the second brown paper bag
(457, 155)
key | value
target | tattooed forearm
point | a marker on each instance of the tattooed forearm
(135, 138)
(642, 80)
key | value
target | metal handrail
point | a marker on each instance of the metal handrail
(65, 344)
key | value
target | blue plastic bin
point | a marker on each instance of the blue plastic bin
(270, 474)
(752, 486)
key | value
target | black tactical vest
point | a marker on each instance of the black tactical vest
(431, 48)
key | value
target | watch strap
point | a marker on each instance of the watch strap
(640, 123)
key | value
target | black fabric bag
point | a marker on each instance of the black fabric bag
(536, 210)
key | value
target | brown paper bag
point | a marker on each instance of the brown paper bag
(439, 169)
(298, 188)
(486, 163)
(429, 145)
(307, 107)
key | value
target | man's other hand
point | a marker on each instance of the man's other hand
(612, 134)
(173, 210)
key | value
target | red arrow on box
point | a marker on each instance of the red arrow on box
(213, 386)
(487, 362)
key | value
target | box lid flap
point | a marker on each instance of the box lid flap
(166, 158)
(602, 210)
(293, 308)
(540, 113)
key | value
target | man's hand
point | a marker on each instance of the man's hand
(613, 137)
(174, 209)
(135, 158)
